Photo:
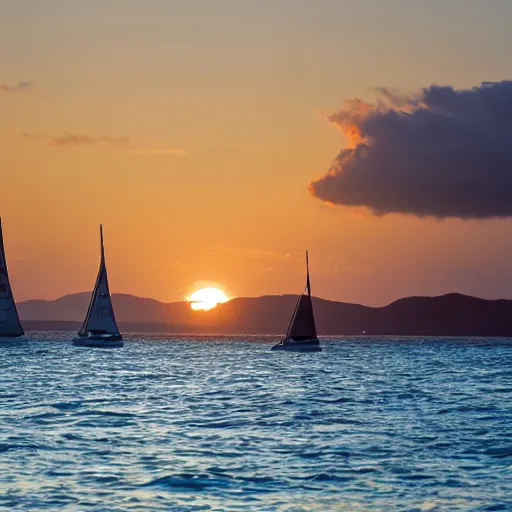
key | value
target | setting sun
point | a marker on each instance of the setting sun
(207, 298)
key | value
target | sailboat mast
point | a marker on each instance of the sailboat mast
(1, 238)
(308, 283)
(2, 250)
(3, 260)
(102, 248)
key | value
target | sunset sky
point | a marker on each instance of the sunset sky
(193, 130)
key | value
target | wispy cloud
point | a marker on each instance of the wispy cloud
(255, 253)
(159, 151)
(72, 140)
(32, 136)
(19, 87)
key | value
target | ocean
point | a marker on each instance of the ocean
(221, 423)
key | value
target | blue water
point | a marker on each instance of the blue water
(223, 424)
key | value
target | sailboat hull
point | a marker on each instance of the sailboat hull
(114, 341)
(311, 345)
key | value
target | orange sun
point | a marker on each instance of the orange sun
(207, 298)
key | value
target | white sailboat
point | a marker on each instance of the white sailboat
(301, 335)
(10, 326)
(100, 328)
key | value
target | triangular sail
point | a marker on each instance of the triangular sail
(100, 317)
(302, 324)
(9, 321)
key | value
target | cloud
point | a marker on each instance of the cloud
(255, 253)
(19, 87)
(439, 153)
(32, 136)
(71, 140)
(159, 151)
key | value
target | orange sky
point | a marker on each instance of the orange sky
(192, 134)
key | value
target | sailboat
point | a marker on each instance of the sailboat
(99, 328)
(301, 335)
(10, 326)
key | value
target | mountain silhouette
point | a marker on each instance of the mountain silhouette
(447, 315)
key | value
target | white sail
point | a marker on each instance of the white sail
(100, 317)
(10, 325)
(302, 324)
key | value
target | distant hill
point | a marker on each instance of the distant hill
(448, 315)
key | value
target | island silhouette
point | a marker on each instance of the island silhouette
(453, 314)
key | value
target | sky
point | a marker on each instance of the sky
(200, 134)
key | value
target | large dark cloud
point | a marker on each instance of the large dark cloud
(441, 153)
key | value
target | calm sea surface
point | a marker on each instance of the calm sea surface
(204, 423)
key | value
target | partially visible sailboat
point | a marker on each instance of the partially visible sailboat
(100, 328)
(10, 325)
(301, 335)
